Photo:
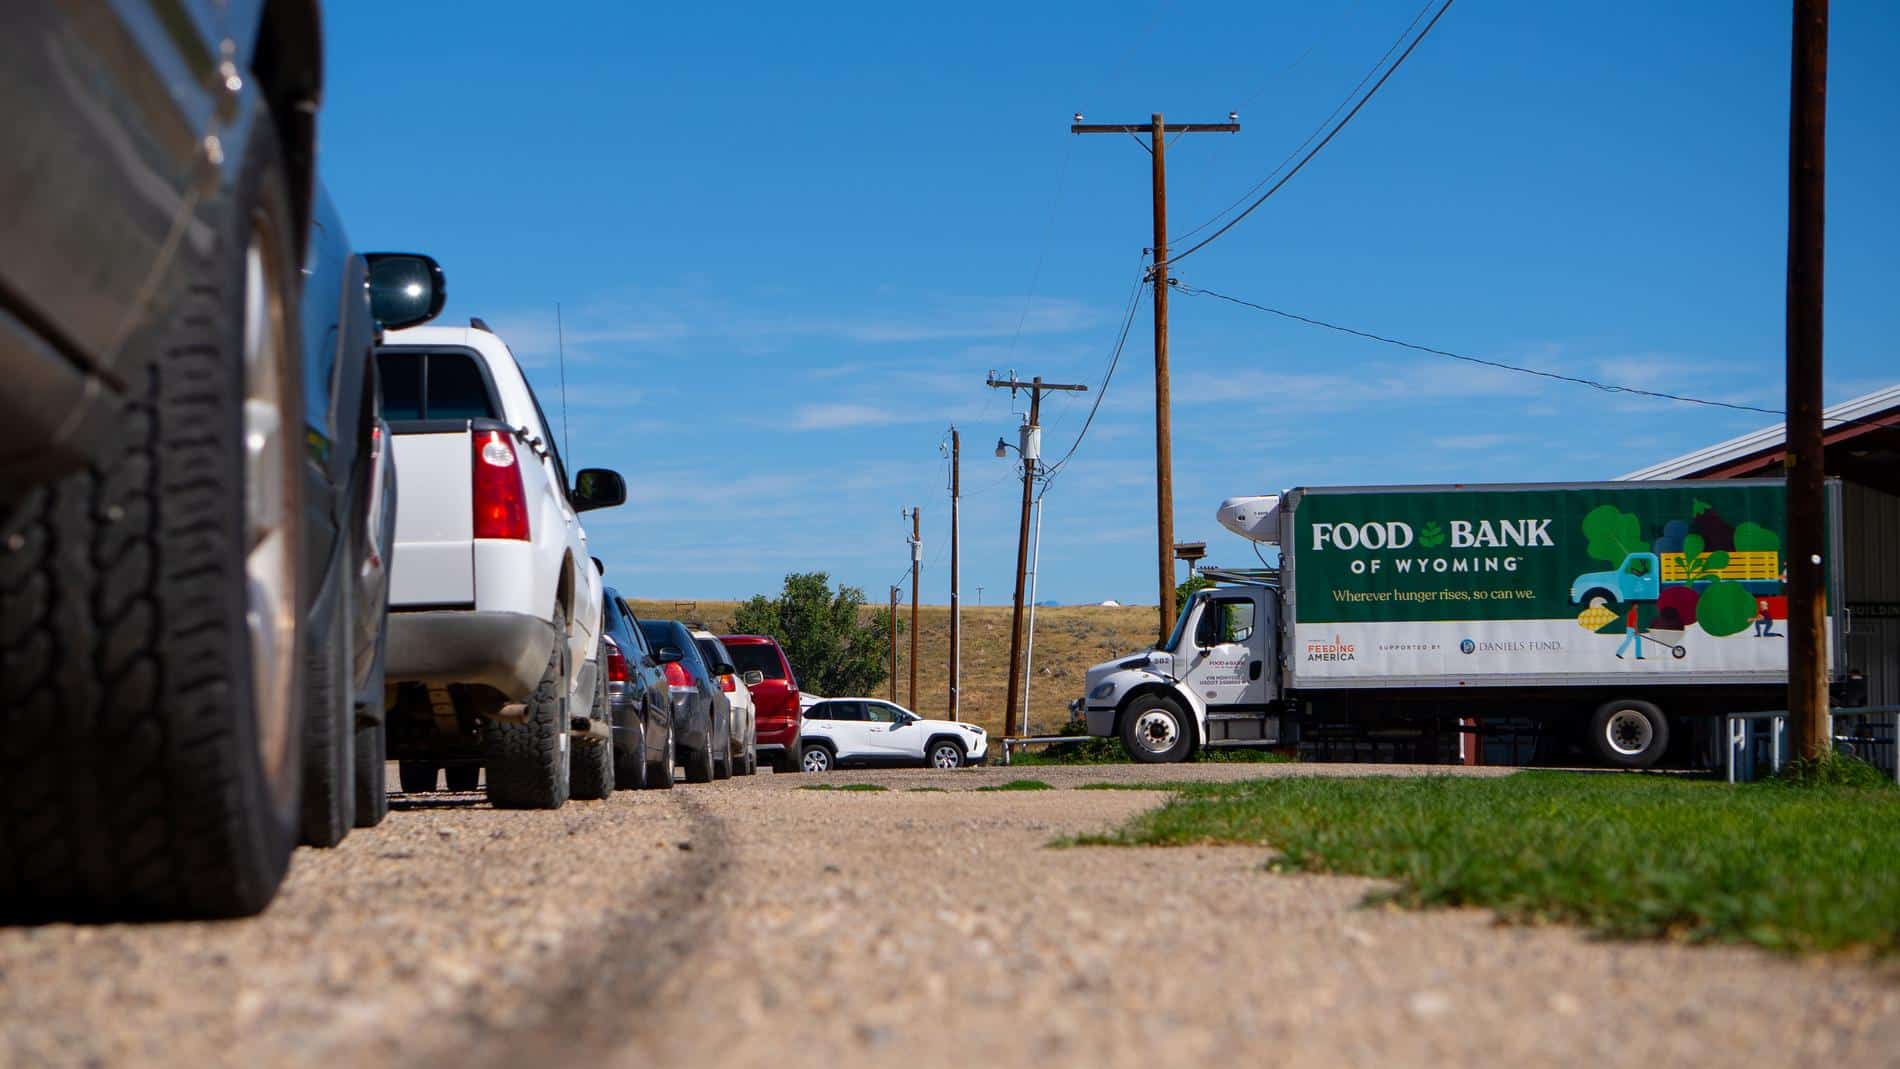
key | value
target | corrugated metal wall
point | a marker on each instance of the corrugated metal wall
(1870, 546)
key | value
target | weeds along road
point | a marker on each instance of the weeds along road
(751, 923)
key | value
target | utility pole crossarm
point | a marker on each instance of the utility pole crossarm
(1166, 128)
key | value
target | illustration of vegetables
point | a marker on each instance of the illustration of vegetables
(1715, 531)
(1678, 599)
(1595, 618)
(1752, 537)
(1698, 564)
(1431, 536)
(1726, 608)
(1612, 533)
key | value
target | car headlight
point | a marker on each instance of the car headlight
(1103, 690)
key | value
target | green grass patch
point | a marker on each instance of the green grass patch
(844, 787)
(1804, 869)
(1099, 751)
(929, 790)
(1018, 785)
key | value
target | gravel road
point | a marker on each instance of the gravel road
(751, 923)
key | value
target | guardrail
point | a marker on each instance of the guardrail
(1748, 738)
(1038, 740)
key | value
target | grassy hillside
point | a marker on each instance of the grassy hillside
(1068, 640)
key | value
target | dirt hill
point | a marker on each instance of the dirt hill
(1068, 640)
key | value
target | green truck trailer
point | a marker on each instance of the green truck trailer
(1618, 612)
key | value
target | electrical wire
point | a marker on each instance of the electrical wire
(1317, 130)
(1128, 318)
(1315, 150)
(1576, 380)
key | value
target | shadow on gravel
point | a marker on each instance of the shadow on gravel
(412, 803)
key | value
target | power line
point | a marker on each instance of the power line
(1595, 384)
(1308, 158)
(1321, 127)
(1128, 320)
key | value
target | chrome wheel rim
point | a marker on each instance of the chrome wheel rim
(816, 761)
(1156, 731)
(270, 528)
(1628, 732)
(945, 757)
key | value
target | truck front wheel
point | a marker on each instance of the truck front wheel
(1155, 731)
(1629, 734)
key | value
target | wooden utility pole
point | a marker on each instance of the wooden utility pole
(893, 630)
(956, 608)
(1157, 146)
(1806, 456)
(1030, 449)
(916, 567)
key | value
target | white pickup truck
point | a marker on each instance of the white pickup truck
(495, 604)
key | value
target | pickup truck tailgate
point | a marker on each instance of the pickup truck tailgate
(435, 555)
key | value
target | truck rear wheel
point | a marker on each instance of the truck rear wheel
(1629, 734)
(1155, 731)
(527, 761)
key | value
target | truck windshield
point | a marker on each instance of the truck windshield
(1180, 622)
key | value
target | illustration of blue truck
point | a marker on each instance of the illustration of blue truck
(1642, 575)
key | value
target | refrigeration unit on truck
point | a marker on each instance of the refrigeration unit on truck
(1619, 612)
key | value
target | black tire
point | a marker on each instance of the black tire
(816, 757)
(1155, 731)
(1629, 734)
(463, 779)
(699, 764)
(722, 752)
(593, 774)
(785, 762)
(529, 760)
(948, 750)
(660, 775)
(630, 754)
(751, 765)
(141, 774)
(372, 772)
(329, 722)
(420, 777)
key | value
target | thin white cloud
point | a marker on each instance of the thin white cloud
(832, 417)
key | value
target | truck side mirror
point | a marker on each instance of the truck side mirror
(405, 288)
(598, 488)
(1207, 628)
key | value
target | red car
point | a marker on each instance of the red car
(774, 698)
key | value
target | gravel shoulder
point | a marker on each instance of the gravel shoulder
(752, 923)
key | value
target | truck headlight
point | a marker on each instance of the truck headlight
(1102, 690)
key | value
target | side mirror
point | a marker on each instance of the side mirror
(406, 289)
(753, 678)
(598, 566)
(598, 488)
(668, 655)
(1207, 628)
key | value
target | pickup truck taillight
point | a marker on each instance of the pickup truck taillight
(501, 506)
(678, 678)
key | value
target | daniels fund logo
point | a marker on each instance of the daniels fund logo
(1336, 650)
(1467, 646)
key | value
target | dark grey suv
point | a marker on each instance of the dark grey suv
(702, 716)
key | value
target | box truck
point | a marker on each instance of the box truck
(1618, 612)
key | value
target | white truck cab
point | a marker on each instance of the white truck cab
(495, 604)
(1214, 682)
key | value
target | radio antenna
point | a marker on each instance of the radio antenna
(560, 341)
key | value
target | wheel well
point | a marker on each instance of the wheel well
(564, 591)
(825, 743)
(952, 739)
(287, 60)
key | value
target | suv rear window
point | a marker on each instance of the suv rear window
(757, 657)
(425, 386)
(713, 651)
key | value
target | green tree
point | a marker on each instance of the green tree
(835, 647)
(1193, 583)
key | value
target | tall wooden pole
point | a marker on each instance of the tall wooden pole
(1806, 454)
(1164, 448)
(916, 568)
(1158, 132)
(1011, 724)
(893, 631)
(956, 607)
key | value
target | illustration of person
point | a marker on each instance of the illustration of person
(1631, 636)
(1764, 623)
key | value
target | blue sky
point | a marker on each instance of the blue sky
(790, 241)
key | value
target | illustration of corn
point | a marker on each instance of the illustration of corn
(1594, 618)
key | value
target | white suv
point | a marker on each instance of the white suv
(744, 752)
(866, 731)
(494, 606)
